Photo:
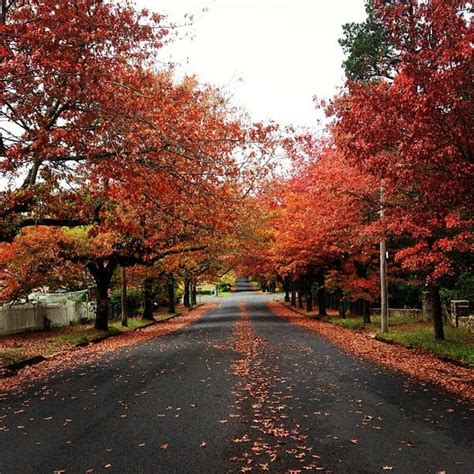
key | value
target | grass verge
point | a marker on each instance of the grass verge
(18, 348)
(457, 346)
(409, 332)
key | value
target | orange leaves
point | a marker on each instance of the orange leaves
(422, 366)
(35, 259)
(67, 360)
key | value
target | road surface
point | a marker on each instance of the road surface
(240, 390)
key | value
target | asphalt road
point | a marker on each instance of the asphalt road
(234, 392)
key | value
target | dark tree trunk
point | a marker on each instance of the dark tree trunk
(123, 297)
(148, 297)
(171, 294)
(342, 309)
(102, 275)
(193, 294)
(437, 312)
(300, 297)
(342, 306)
(102, 315)
(286, 288)
(366, 311)
(322, 298)
(293, 296)
(187, 295)
(309, 299)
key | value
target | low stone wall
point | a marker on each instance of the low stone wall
(399, 312)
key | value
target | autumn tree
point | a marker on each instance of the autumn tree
(104, 141)
(415, 133)
(34, 260)
(65, 70)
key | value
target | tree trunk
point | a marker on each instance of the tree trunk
(437, 312)
(286, 288)
(309, 299)
(342, 309)
(300, 297)
(342, 306)
(187, 296)
(366, 311)
(322, 301)
(293, 296)
(102, 315)
(321, 296)
(148, 297)
(102, 275)
(193, 294)
(123, 297)
(171, 294)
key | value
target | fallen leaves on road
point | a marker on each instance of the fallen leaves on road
(262, 394)
(82, 355)
(417, 364)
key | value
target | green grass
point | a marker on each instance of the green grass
(133, 323)
(458, 345)
(27, 345)
(164, 316)
(349, 323)
(10, 357)
(224, 294)
(357, 322)
(410, 332)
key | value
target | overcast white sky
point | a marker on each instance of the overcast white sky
(273, 56)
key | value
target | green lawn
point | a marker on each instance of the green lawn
(358, 323)
(19, 347)
(225, 294)
(458, 344)
(410, 332)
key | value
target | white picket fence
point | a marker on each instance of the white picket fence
(35, 317)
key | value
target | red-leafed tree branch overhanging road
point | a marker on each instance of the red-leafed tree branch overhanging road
(239, 390)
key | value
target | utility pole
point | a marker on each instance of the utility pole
(383, 268)
(123, 298)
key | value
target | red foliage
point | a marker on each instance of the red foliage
(415, 133)
(34, 260)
